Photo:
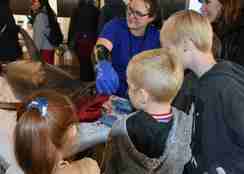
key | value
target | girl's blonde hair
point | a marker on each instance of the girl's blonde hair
(159, 72)
(188, 24)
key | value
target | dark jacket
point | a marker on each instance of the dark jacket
(83, 35)
(218, 138)
(111, 9)
(84, 20)
(232, 40)
(10, 48)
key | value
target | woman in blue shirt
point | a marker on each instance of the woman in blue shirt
(119, 41)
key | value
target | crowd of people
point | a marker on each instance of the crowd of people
(184, 82)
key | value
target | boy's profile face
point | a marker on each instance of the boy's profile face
(169, 43)
(135, 93)
(132, 91)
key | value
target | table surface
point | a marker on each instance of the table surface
(91, 134)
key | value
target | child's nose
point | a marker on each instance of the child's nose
(203, 8)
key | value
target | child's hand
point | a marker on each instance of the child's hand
(107, 106)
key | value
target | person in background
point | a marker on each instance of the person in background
(83, 35)
(227, 20)
(110, 10)
(41, 11)
(218, 128)
(10, 47)
(44, 134)
(119, 41)
(156, 138)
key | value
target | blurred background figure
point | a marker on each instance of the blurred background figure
(82, 36)
(111, 9)
(10, 48)
(44, 26)
(227, 20)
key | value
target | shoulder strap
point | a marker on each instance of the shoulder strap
(3, 29)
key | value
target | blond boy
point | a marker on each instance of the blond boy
(218, 134)
(156, 138)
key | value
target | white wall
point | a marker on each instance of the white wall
(195, 5)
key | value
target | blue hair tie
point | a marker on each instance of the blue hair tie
(41, 104)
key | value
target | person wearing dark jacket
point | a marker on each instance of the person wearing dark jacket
(43, 25)
(83, 35)
(218, 97)
(10, 47)
(110, 10)
(227, 18)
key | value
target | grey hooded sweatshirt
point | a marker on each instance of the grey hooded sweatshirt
(123, 158)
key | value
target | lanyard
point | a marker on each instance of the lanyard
(3, 29)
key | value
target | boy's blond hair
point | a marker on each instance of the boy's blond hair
(158, 71)
(191, 25)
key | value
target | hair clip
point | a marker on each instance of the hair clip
(41, 104)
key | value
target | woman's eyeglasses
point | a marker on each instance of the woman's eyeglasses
(135, 13)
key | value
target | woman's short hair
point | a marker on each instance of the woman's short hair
(158, 71)
(154, 7)
(39, 137)
(188, 24)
